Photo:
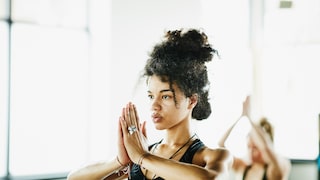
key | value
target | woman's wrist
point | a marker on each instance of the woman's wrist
(120, 163)
(142, 157)
(123, 169)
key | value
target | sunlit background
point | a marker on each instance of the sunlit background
(67, 67)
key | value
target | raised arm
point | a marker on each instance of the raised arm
(221, 142)
(245, 112)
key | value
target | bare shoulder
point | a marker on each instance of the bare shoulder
(214, 158)
(216, 153)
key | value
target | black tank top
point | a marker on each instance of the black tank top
(264, 174)
(136, 173)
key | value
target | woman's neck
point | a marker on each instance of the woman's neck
(177, 136)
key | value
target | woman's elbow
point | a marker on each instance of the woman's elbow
(74, 175)
(71, 176)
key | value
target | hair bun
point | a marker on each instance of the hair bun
(189, 46)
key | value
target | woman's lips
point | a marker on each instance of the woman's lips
(156, 118)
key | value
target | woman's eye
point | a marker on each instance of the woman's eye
(150, 96)
(165, 97)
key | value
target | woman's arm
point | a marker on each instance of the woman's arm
(245, 112)
(105, 170)
(221, 142)
(98, 171)
(216, 165)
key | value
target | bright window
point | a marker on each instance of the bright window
(49, 97)
(48, 70)
(290, 76)
(291, 98)
(3, 9)
(62, 13)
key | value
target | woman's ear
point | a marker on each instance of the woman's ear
(193, 100)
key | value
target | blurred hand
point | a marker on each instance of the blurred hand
(246, 107)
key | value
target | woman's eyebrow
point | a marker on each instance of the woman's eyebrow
(162, 91)
(166, 90)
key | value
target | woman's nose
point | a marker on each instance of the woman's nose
(155, 104)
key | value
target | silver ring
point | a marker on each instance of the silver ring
(132, 129)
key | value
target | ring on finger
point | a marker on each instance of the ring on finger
(132, 129)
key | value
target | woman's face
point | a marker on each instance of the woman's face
(166, 110)
(254, 153)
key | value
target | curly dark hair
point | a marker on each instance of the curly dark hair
(180, 58)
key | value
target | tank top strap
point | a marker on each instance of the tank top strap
(265, 172)
(197, 144)
(246, 171)
(192, 149)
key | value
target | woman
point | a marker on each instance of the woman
(263, 162)
(177, 84)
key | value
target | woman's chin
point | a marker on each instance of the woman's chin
(158, 127)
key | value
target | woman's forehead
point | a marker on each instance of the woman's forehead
(156, 84)
(156, 81)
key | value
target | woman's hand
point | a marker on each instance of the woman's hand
(246, 107)
(134, 134)
(123, 157)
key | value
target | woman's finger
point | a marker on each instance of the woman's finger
(133, 116)
(127, 115)
(124, 114)
(143, 128)
(136, 116)
(131, 119)
(120, 132)
(124, 126)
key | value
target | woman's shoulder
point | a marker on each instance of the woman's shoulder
(215, 150)
(215, 154)
(218, 159)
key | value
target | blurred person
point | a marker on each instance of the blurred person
(263, 162)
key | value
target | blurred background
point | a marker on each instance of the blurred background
(67, 67)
